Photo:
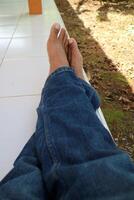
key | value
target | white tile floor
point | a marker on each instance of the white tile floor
(17, 123)
(4, 43)
(27, 47)
(22, 77)
(23, 70)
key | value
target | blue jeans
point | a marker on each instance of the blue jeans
(71, 155)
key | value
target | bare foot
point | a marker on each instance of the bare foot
(57, 47)
(75, 58)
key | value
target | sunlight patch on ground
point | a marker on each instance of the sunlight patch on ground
(115, 34)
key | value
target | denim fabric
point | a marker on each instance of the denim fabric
(71, 155)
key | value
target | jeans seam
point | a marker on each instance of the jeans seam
(51, 146)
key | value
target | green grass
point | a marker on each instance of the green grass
(113, 115)
(114, 76)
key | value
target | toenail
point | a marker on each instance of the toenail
(71, 41)
(57, 26)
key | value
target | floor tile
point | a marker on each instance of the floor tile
(3, 47)
(36, 25)
(27, 46)
(25, 30)
(1, 61)
(9, 1)
(10, 10)
(6, 31)
(23, 77)
(17, 123)
(8, 20)
(47, 4)
(40, 20)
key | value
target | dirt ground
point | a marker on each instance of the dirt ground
(105, 35)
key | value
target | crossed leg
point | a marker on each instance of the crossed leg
(71, 155)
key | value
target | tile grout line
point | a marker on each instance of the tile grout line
(19, 96)
(10, 41)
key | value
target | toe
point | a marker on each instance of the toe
(62, 34)
(73, 46)
(54, 31)
(70, 49)
(65, 39)
(66, 46)
(73, 43)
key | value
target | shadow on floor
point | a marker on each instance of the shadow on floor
(116, 94)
